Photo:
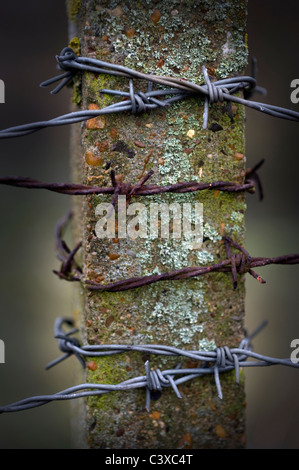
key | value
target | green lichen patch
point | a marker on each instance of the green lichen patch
(73, 7)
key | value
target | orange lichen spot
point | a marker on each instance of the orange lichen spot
(98, 122)
(155, 16)
(222, 228)
(113, 133)
(239, 156)
(109, 321)
(129, 32)
(160, 63)
(212, 406)
(186, 68)
(102, 146)
(191, 133)
(216, 193)
(139, 144)
(220, 431)
(155, 415)
(92, 365)
(185, 442)
(160, 161)
(113, 256)
(92, 159)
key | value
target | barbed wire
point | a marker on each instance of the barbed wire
(138, 102)
(251, 182)
(236, 263)
(222, 359)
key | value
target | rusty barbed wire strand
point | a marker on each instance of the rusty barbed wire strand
(236, 263)
(251, 182)
(69, 268)
(137, 102)
(221, 360)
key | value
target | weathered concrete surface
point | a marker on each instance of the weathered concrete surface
(168, 38)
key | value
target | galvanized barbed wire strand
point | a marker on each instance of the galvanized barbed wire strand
(239, 263)
(70, 345)
(224, 359)
(251, 181)
(220, 90)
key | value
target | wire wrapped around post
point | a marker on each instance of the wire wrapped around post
(237, 263)
(138, 102)
(216, 362)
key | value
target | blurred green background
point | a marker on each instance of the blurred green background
(31, 34)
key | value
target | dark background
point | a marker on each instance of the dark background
(31, 33)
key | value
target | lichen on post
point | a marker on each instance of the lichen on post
(169, 38)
